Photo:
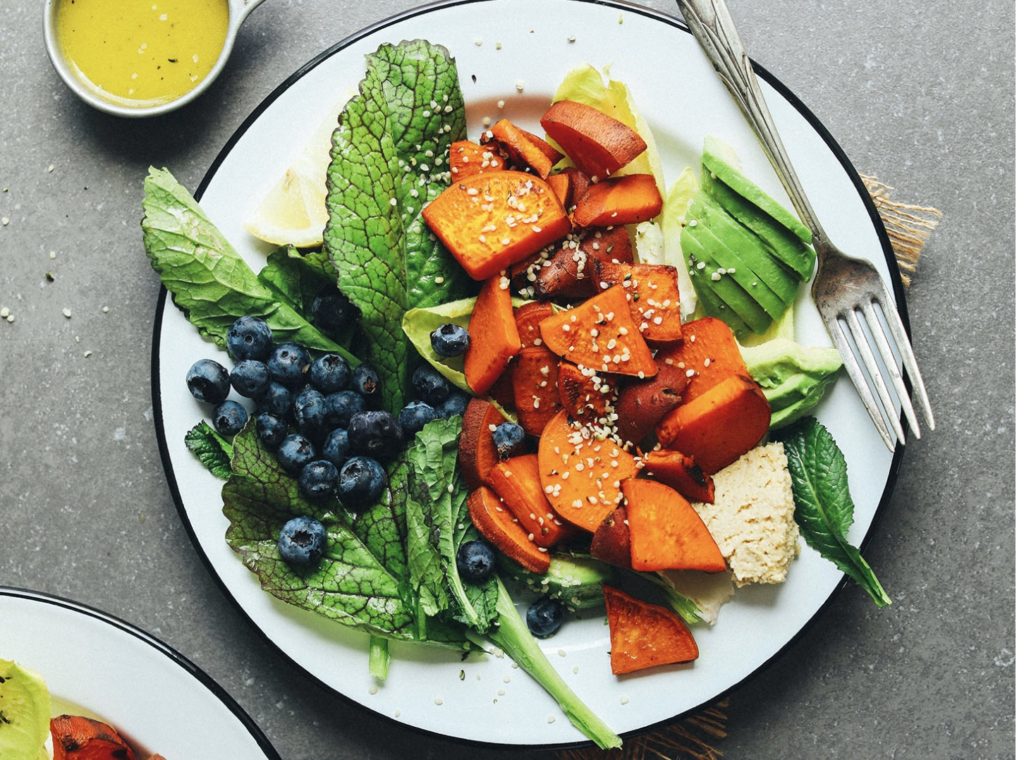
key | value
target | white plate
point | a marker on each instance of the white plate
(117, 673)
(682, 99)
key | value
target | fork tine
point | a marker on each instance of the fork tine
(885, 349)
(853, 369)
(892, 317)
(868, 357)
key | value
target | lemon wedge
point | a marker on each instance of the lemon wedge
(294, 210)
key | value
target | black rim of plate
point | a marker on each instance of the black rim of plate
(167, 651)
(767, 77)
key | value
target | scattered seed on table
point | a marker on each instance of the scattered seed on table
(66, 312)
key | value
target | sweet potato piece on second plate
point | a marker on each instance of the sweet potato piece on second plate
(535, 380)
(466, 158)
(617, 347)
(710, 350)
(493, 337)
(524, 151)
(620, 200)
(611, 540)
(492, 220)
(528, 319)
(499, 526)
(675, 469)
(644, 635)
(79, 738)
(653, 293)
(596, 143)
(517, 482)
(477, 452)
(665, 531)
(581, 474)
(719, 426)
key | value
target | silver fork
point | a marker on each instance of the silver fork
(846, 290)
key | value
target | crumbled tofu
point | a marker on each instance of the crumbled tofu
(752, 517)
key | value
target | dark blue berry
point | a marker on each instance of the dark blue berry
(310, 410)
(277, 401)
(250, 378)
(318, 479)
(475, 561)
(333, 312)
(454, 405)
(361, 481)
(429, 385)
(208, 381)
(375, 434)
(508, 439)
(365, 381)
(302, 543)
(249, 338)
(289, 364)
(270, 430)
(229, 418)
(342, 405)
(336, 448)
(329, 373)
(544, 617)
(414, 416)
(449, 340)
(295, 452)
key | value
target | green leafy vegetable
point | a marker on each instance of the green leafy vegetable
(387, 162)
(206, 277)
(380, 658)
(824, 508)
(297, 278)
(210, 448)
(576, 580)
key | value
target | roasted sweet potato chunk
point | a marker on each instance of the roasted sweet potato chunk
(528, 319)
(665, 531)
(522, 150)
(675, 469)
(644, 635)
(720, 425)
(562, 186)
(493, 337)
(466, 158)
(586, 396)
(709, 349)
(477, 452)
(611, 540)
(79, 738)
(596, 143)
(498, 525)
(653, 294)
(489, 221)
(600, 334)
(535, 380)
(620, 200)
(517, 483)
(642, 404)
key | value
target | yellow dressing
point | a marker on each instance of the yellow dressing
(141, 52)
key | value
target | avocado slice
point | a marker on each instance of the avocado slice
(726, 288)
(794, 377)
(748, 247)
(783, 244)
(25, 711)
(576, 581)
(713, 306)
(716, 159)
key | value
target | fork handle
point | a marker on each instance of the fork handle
(711, 24)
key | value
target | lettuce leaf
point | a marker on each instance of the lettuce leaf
(388, 160)
(684, 190)
(211, 449)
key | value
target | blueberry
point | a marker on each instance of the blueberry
(342, 405)
(318, 479)
(361, 481)
(302, 543)
(375, 434)
(249, 338)
(229, 418)
(475, 561)
(295, 452)
(208, 381)
(333, 312)
(270, 430)
(336, 448)
(289, 364)
(508, 439)
(329, 373)
(414, 416)
(277, 401)
(429, 385)
(250, 378)
(365, 381)
(449, 340)
(544, 617)
(310, 410)
(454, 405)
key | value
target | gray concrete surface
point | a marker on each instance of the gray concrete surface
(919, 93)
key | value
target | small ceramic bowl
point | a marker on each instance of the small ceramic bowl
(238, 11)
